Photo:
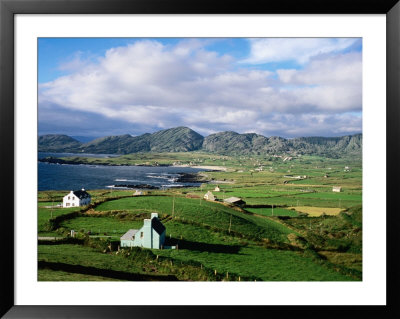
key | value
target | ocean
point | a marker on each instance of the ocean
(72, 177)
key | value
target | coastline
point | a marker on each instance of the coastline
(55, 160)
(214, 168)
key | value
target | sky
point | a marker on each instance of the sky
(288, 87)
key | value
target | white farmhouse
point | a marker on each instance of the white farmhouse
(337, 189)
(76, 198)
(209, 196)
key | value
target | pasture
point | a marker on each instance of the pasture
(317, 211)
(216, 241)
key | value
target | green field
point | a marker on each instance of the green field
(101, 225)
(207, 214)
(273, 212)
(215, 241)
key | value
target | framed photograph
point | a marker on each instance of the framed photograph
(167, 158)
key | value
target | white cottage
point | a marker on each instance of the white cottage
(76, 198)
(209, 196)
(336, 189)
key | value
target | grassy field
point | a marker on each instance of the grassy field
(209, 214)
(216, 241)
(44, 214)
(101, 225)
(273, 211)
(59, 275)
(317, 211)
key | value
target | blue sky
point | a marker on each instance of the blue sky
(288, 87)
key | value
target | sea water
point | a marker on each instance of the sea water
(72, 177)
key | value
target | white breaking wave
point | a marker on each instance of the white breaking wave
(117, 187)
(158, 176)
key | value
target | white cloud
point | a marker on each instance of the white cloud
(298, 49)
(152, 85)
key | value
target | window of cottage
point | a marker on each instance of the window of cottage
(141, 234)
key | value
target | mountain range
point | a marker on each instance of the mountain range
(184, 139)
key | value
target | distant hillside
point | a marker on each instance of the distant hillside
(234, 143)
(84, 139)
(183, 139)
(179, 139)
(120, 144)
(58, 143)
(250, 143)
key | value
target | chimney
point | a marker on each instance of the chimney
(154, 215)
(147, 222)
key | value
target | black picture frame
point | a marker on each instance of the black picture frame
(8, 8)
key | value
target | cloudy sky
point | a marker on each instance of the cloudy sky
(285, 87)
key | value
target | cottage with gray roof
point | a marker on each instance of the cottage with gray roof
(151, 235)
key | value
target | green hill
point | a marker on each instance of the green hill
(183, 139)
(179, 139)
(120, 144)
(58, 143)
(251, 143)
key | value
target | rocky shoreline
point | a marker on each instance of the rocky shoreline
(136, 186)
(56, 160)
(182, 178)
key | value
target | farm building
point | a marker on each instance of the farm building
(137, 193)
(336, 189)
(209, 196)
(235, 201)
(151, 235)
(217, 189)
(76, 198)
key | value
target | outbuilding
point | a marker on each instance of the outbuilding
(209, 196)
(337, 189)
(235, 201)
(151, 235)
(77, 198)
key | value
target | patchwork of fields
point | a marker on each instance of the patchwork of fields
(288, 230)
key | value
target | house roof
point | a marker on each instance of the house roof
(129, 234)
(157, 225)
(233, 200)
(81, 194)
